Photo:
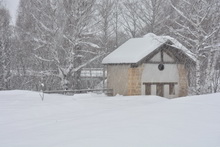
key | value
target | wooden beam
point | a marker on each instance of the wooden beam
(154, 62)
(155, 83)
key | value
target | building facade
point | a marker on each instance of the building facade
(157, 65)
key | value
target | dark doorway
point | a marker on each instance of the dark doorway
(160, 90)
(147, 89)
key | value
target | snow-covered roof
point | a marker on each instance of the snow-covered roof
(136, 49)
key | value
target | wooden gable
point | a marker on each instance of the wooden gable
(166, 54)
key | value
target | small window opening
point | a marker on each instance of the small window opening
(161, 67)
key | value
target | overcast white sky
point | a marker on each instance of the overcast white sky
(12, 5)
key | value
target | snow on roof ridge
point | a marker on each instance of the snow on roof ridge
(149, 35)
(161, 39)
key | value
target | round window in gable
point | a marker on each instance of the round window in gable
(161, 67)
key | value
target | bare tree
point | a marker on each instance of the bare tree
(153, 14)
(131, 21)
(106, 24)
(5, 48)
(59, 38)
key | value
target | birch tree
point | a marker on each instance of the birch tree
(213, 50)
(78, 32)
(195, 29)
(59, 38)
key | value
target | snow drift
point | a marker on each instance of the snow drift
(90, 120)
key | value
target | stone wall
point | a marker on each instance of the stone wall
(134, 80)
(183, 80)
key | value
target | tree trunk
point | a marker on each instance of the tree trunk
(198, 74)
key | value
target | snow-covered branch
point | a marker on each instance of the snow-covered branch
(89, 61)
(42, 25)
(182, 14)
(42, 59)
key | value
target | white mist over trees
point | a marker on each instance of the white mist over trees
(53, 40)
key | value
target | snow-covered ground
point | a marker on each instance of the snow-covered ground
(90, 120)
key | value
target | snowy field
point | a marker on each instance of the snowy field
(90, 120)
